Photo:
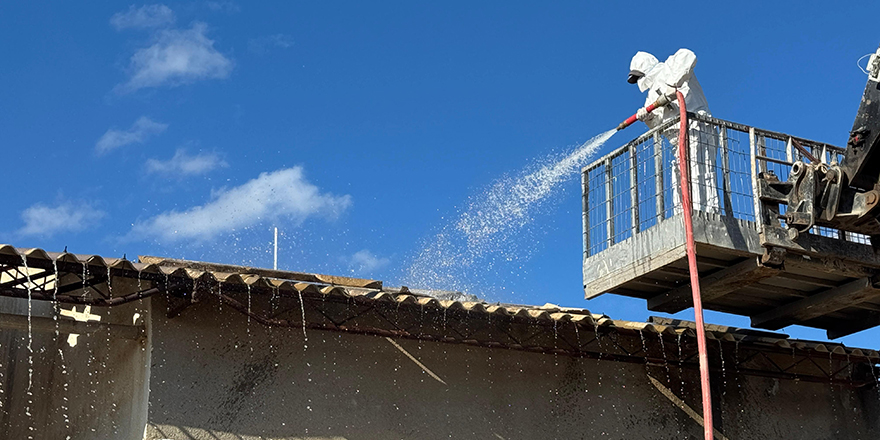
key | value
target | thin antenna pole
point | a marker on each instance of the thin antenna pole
(275, 264)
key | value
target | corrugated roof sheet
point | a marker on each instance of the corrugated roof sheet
(185, 279)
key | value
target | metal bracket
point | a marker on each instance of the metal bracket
(800, 216)
(833, 184)
(773, 256)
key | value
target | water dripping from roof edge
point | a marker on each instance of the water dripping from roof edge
(302, 308)
(665, 359)
(681, 364)
(30, 348)
(723, 369)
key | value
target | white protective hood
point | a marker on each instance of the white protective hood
(642, 63)
(677, 72)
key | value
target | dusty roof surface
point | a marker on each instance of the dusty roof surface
(282, 298)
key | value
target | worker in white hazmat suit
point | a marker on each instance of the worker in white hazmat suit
(677, 73)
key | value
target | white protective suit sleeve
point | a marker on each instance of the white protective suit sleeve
(681, 67)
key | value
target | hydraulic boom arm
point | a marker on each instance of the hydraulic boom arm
(844, 196)
(861, 164)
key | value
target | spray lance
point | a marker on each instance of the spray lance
(660, 102)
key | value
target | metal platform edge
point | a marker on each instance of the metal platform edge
(750, 257)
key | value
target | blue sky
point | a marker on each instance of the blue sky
(361, 129)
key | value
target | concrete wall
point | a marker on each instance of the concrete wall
(214, 375)
(217, 376)
(97, 389)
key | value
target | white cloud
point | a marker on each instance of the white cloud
(223, 6)
(261, 45)
(176, 57)
(66, 216)
(364, 261)
(280, 194)
(145, 17)
(140, 131)
(183, 164)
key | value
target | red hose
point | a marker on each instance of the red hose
(632, 119)
(687, 208)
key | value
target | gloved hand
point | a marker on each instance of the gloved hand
(642, 114)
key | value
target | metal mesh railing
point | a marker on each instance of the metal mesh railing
(636, 186)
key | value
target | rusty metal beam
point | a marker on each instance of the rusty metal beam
(97, 279)
(814, 306)
(832, 249)
(674, 271)
(708, 261)
(803, 150)
(796, 266)
(714, 286)
(653, 282)
(795, 294)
